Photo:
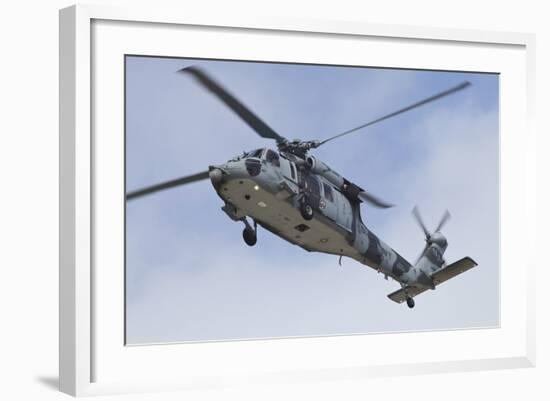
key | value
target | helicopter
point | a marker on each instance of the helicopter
(296, 196)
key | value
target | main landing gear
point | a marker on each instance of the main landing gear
(306, 210)
(249, 233)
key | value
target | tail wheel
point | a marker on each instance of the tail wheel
(249, 236)
(306, 210)
(410, 302)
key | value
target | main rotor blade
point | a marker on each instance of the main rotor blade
(166, 185)
(416, 214)
(444, 219)
(373, 200)
(234, 104)
(440, 95)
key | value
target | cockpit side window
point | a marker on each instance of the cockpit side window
(273, 158)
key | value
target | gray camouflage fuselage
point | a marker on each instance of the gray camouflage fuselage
(268, 187)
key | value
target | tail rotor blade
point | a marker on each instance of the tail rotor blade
(418, 218)
(421, 254)
(446, 216)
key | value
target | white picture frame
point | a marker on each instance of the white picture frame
(93, 358)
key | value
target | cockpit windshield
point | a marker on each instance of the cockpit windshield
(255, 153)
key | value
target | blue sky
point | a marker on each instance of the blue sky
(190, 276)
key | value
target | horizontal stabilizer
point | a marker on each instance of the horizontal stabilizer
(440, 276)
(453, 270)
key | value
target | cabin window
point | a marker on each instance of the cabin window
(328, 192)
(292, 171)
(273, 158)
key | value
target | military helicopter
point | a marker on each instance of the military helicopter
(299, 198)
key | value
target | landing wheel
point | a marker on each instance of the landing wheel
(306, 210)
(249, 236)
(410, 302)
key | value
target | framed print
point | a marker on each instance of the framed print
(236, 201)
(285, 285)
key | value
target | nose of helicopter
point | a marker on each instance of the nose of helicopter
(232, 170)
(216, 175)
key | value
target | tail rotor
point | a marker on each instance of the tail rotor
(435, 236)
(444, 219)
